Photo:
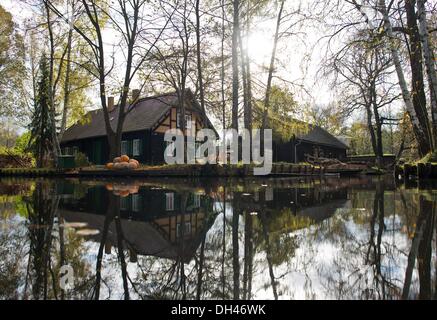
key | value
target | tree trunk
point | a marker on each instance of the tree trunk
(55, 142)
(428, 53)
(222, 73)
(419, 127)
(235, 78)
(379, 152)
(418, 87)
(272, 68)
(66, 87)
(371, 129)
(199, 60)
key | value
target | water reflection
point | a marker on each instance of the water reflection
(357, 238)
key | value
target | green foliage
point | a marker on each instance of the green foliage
(281, 114)
(12, 69)
(81, 160)
(429, 158)
(330, 117)
(22, 143)
(40, 128)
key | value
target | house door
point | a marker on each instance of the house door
(97, 152)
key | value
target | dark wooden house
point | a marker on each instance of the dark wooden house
(315, 142)
(143, 130)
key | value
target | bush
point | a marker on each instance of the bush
(81, 160)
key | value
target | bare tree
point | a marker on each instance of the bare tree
(363, 71)
(137, 36)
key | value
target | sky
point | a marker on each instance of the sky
(300, 56)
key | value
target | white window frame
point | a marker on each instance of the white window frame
(124, 204)
(124, 147)
(188, 119)
(187, 229)
(169, 201)
(196, 200)
(269, 195)
(136, 202)
(136, 147)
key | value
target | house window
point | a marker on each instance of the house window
(188, 120)
(136, 202)
(186, 231)
(124, 204)
(124, 147)
(136, 147)
(269, 194)
(169, 201)
(196, 200)
(75, 150)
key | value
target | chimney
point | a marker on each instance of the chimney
(135, 95)
(111, 103)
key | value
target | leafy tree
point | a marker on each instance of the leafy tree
(281, 114)
(40, 143)
(12, 71)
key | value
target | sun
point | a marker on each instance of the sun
(259, 46)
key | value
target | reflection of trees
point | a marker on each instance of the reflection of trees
(255, 248)
(41, 210)
(112, 215)
(374, 255)
(50, 247)
(386, 250)
(421, 249)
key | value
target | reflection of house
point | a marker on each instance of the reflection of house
(143, 129)
(154, 221)
(316, 142)
(314, 203)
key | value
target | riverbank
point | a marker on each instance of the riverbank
(278, 170)
(418, 170)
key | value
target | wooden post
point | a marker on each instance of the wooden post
(421, 171)
(433, 174)
(133, 256)
(407, 171)
(108, 247)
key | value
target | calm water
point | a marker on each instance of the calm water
(355, 238)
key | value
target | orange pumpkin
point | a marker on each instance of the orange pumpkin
(109, 166)
(109, 187)
(133, 190)
(124, 194)
(132, 166)
(123, 166)
(124, 158)
(117, 160)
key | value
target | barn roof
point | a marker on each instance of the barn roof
(318, 135)
(146, 113)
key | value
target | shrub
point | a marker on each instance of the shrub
(81, 160)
